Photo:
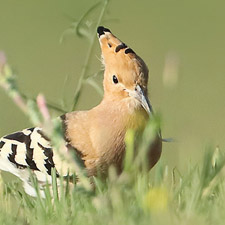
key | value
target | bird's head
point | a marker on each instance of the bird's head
(126, 74)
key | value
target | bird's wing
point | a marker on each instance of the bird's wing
(28, 149)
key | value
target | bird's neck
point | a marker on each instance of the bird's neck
(128, 111)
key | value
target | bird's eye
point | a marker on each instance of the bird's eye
(115, 80)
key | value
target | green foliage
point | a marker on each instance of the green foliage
(87, 29)
(137, 196)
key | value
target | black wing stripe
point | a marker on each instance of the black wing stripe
(18, 136)
(48, 167)
(43, 135)
(31, 129)
(1, 144)
(29, 159)
(26, 139)
(49, 163)
(12, 156)
(29, 153)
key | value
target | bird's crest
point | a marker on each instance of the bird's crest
(121, 60)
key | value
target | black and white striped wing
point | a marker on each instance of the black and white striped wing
(28, 149)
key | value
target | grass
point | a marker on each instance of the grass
(137, 196)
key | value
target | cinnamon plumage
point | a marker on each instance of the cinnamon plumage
(97, 134)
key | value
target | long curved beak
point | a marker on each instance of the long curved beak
(142, 98)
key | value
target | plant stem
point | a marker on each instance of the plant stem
(88, 57)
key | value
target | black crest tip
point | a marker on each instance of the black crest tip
(101, 30)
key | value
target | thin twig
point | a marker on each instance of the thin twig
(50, 105)
(88, 57)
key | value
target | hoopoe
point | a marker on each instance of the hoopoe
(98, 134)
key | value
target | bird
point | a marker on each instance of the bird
(97, 135)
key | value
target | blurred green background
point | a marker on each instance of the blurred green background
(182, 42)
